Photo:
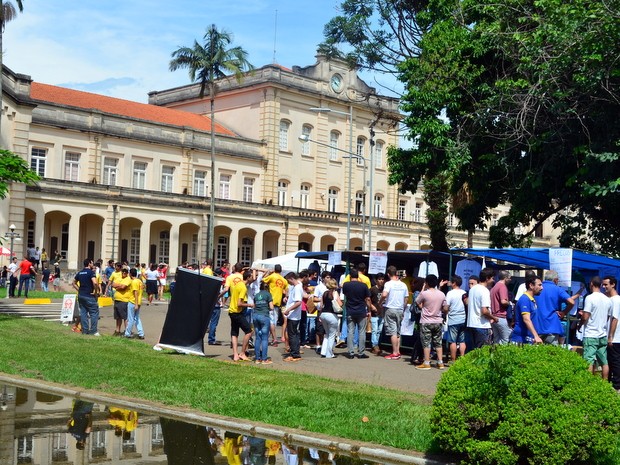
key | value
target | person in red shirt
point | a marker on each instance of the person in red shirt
(26, 271)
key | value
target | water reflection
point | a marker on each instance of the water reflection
(44, 429)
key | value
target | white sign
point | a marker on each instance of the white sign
(561, 260)
(377, 262)
(68, 304)
(335, 258)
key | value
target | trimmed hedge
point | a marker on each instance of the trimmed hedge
(510, 405)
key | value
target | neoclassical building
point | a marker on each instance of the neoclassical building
(131, 181)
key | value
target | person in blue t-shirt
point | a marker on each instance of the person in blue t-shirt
(548, 319)
(524, 331)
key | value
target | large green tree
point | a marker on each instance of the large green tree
(514, 102)
(14, 168)
(208, 62)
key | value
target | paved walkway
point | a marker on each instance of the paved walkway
(397, 374)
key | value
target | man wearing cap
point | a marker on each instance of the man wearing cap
(85, 283)
(12, 269)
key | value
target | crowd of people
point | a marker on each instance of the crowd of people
(22, 276)
(323, 312)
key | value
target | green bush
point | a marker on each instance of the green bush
(514, 405)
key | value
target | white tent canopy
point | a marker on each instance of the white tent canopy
(288, 262)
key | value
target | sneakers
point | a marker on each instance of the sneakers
(441, 366)
(96, 334)
(423, 366)
(392, 357)
(363, 356)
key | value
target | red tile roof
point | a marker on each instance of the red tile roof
(116, 106)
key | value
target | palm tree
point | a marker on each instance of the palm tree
(206, 63)
(7, 13)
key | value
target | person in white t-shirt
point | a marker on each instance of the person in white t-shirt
(479, 316)
(455, 312)
(610, 285)
(394, 300)
(594, 319)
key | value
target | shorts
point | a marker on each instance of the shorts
(239, 321)
(595, 349)
(151, 286)
(273, 316)
(456, 333)
(162, 281)
(120, 310)
(431, 335)
(392, 321)
(319, 328)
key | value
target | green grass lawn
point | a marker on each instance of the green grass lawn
(50, 352)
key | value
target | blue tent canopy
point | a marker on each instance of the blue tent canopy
(584, 262)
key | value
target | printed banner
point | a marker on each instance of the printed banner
(561, 260)
(68, 306)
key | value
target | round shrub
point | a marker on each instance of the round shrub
(510, 405)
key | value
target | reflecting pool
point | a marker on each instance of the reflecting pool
(41, 428)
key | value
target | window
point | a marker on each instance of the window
(248, 189)
(538, 231)
(402, 210)
(378, 207)
(379, 154)
(139, 175)
(417, 213)
(305, 146)
(221, 254)
(247, 251)
(451, 219)
(110, 171)
(167, 178)
(494, 219)
(37, 161)
(194, 249)
(332, 199)
(361, 142)
(225, 186)
(359, 203)
(304, 196)
(164, 247)
(284, 130)
(334, 137)
(134, 246)
(72, 166)
(98, 444)
(200, 183)
(282, 193)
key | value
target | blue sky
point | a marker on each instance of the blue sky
(122, 49)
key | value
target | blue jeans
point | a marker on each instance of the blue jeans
(311, 329)
(133, 317)
(377, 326)
(44, 285)
(23, 279)
(262, 323)
(89, 313)
(359, 323)
(215, 319)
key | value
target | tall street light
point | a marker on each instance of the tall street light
(305, 138)
(349, 115)
(11, 234)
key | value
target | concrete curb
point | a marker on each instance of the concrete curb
(363, 450)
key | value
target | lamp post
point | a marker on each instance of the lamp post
(304, 138)
(349, 115)
(12, 235)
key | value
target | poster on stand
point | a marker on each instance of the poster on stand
(561, 260)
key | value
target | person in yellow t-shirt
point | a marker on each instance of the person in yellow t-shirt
(361, 268)
(238, 303)
(122, 296)
(133, 306)
(277, 288)
(115, 276)
(208, 267)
